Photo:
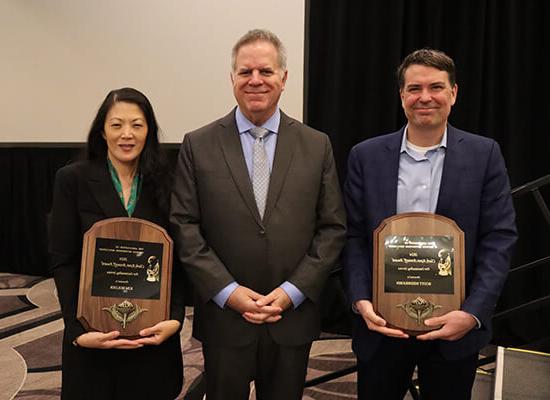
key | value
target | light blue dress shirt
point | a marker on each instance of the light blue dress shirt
(247, 143)
(419, 176)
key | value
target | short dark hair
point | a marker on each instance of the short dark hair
(258, 35)
(430, 58)
(152, 163)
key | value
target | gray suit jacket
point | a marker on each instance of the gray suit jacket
(220, 236)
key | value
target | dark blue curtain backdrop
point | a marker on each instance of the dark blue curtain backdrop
(500, 49)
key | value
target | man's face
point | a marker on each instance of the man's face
(258, 80)
(427, 96)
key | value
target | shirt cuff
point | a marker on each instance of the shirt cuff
(295, 294)
(477, 321)
(221, 298)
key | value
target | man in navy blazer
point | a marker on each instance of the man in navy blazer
(429, 166)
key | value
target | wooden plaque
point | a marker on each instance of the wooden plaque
(125, 276)
(418, 269)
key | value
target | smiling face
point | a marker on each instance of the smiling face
(258, 80)
(427, 97)
(125, 131)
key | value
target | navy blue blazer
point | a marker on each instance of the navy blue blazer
(474, 192)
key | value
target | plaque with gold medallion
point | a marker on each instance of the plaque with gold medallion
(125, 276)
(418, 269)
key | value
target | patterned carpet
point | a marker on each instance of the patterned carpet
(30, 347)
(30, 350)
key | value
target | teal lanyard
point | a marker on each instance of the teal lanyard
(134, 192)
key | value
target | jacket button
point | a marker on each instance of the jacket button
(262, 232)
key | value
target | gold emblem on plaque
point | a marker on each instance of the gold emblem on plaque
(419, 309)
(124, 312)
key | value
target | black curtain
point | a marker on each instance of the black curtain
(26, 178)
(500, 49)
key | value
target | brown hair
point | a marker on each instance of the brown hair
(430, 58)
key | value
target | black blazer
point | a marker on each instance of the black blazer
(83, 195)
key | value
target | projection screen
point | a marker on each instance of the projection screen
(61, 57)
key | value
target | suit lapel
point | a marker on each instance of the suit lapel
(234, 157)
(451, 168)
(389, 173)
(145, 204)
(284, 152)
(103, 190)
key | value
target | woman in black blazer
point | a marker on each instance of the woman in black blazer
(123, 176)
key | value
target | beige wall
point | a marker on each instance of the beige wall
(59, 58)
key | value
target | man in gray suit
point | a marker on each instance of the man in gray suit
(258, 222)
